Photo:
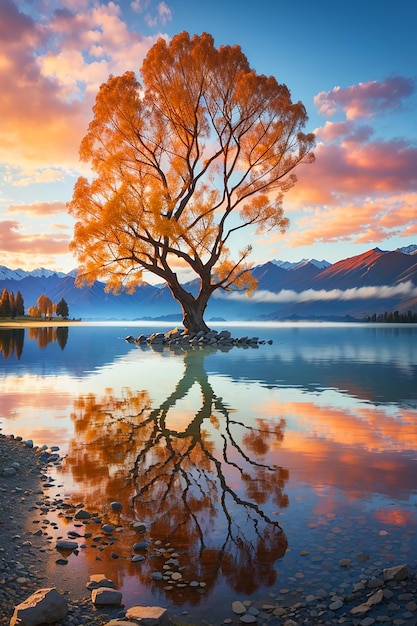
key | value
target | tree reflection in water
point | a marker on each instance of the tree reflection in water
(202, 489)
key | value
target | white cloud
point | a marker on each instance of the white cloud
(310, 295)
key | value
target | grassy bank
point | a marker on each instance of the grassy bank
(25, 320)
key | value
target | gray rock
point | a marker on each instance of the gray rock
(399, 572)
(99, 580)
(148, 615)
(82, 514)
(66, 546)
(141, 545)
(248, 619)
(45, 606)
(139, 527)
(238, 607)
(375, 598)
(107, 596)
(336, 604)
(9, 471)
(108, 528)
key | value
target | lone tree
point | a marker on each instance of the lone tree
(181, 163)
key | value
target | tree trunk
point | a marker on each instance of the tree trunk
(193, 319)
(192, 308)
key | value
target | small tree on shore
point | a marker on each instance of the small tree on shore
(62, 309)
(45, 305)
(203, 149)
(5, 306)
(19, 307)
(33, 311)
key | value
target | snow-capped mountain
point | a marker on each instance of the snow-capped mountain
(409, 249)
(19, 274)
(287, 265)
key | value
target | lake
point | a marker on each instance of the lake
(258, 473)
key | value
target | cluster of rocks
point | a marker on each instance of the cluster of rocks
(49, 606)
(390, 599)
(180, 338)
(46, 454)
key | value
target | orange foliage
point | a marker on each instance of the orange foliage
(204, 148)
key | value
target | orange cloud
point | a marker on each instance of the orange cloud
(52, 71)
(38, 208)
(369, 221)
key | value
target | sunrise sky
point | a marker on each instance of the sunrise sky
(352, 64)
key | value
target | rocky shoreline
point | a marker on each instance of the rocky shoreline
(388, 596)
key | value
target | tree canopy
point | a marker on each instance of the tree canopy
(181, 163)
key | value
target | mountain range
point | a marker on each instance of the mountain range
(373, 282)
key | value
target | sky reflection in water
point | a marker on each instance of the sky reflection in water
(262, 467)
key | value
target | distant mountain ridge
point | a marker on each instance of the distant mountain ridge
(372, 282)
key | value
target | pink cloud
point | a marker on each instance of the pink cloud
(335, 131)
(13, 241)
(364, 99)
(351, 169)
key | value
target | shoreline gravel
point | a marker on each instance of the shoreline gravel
(24, 553)
(25, 556)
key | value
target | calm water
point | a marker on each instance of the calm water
(261, 467)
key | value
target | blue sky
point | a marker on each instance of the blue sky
(353, 65)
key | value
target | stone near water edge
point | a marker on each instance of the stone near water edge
(116, 506)
(213, 339)
(139, 527)
(148, 615)
(107, 596)
(66, 546)
(120, 622)
(108, 528)
(336, 604)
(99, 580)
(138, 558)
(9, 471)
(45, 606)
(82, 514)
(399, 572)
(375, 598)
(248, 619)
(238, 607)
